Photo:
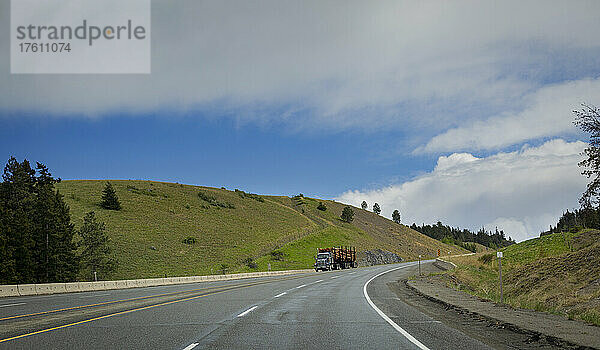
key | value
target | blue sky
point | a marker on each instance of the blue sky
(195, 150)
(455, 111)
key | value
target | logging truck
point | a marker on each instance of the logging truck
(335, 258)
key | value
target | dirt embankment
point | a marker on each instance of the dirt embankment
(567, 283)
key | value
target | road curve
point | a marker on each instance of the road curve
(348, 309)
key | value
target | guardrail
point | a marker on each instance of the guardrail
(16, 290)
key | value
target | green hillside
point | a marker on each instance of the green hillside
(229, 228)
(556, 273)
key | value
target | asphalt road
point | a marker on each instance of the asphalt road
(348, 309)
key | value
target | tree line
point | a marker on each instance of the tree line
(586, 217)
(38, 241)
(454, 235)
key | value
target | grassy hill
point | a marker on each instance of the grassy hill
(558, 273)
(232, 230)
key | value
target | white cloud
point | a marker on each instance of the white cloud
(521, 192)
(342, 64)
(549, 113)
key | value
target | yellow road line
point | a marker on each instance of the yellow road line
(142, 298)
(111, 302)
(106, 316)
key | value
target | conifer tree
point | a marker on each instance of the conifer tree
(110, 200)
(364, 205)
(36, 234)
(396, 216)
(376, 209)
(96, 253)
(347, 214)
(588, 120)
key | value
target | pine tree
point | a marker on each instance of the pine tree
(96, 252)
(110, 200)
(364, 205)
(53, 232)
(376, 209)
(347, 214)
(396, 216)
(36, 234)
(17, 264)
(588, 120)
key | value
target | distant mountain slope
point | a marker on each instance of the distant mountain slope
(229, 229)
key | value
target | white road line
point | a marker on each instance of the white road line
(317, 281)
(191, 346)
(280, 295)
(16, 304)
(385, 317)
(352, 273)
(247, 311)
(304, 285)
(334, 277)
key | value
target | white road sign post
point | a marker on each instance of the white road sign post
(419, 265)
(499, 255)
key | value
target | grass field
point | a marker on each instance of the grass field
(557, 273)
(233, 231)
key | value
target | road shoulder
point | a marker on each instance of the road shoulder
(555, 329)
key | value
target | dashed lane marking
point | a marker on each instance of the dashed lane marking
(247, 311)
(15, 304)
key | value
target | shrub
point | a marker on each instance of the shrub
(487, 258)
(469, 246)
(213, 201)
(250, 263)
(277, 255)
(148, 192)
(189, 240)
(322, 206)
(249, 195)
(206, 197)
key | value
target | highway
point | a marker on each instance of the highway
(347, 309)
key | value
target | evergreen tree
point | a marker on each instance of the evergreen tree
(347, 214)
(376, 209)
(36, 234)
(396, 216)
(96, 252)
(364, 205)
(588, 120)
(17, 199)
(109, 198)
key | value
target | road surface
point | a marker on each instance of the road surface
(347, 309)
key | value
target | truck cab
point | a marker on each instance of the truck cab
(323, 261)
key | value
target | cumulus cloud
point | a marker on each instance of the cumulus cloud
(548, 113)
(334, 64)
(521, 192)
